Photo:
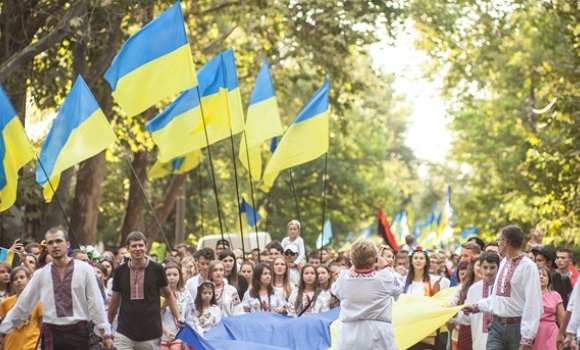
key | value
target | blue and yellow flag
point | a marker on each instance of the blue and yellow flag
(15, 151)
(220, 97)
(179, 129)
(171, 130)
(177, 166)
(269, 178)
(80, 131)
(251, 215)
(325, 236)
(306, 139)
(263, 122)
(6, 255)
(445, 216)
(154, 63)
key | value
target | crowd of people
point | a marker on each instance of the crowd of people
(63, 298)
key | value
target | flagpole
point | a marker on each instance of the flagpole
(296, 200)
(324, 199)
(146, 198)
(225, 78)
(72, 231)
(217, 202)
(252, 195)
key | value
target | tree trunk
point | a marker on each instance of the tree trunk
(166, 207)
(133, 219)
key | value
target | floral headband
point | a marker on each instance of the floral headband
(419, 249)
(294, 222)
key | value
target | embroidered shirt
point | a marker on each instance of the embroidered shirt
(517, 293)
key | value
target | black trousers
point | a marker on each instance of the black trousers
(77, 339)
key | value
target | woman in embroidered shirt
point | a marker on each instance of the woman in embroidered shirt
(365, 324)
(208, 312)
(26, 334)
(262, 296)
(461, 338)
(308, 298)
(553, 313)
(419, 281)
(281, 281)
(184, 305)
(227, 296)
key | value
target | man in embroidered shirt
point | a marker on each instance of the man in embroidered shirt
(516, 299)
(66, 310)
(136, 287)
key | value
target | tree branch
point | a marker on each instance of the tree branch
(209, 47)
(25, 55)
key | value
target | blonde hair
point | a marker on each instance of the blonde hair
(363, 253)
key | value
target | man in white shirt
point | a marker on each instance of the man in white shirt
(516, 299)
(67, 311)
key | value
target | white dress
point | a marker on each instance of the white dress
(209, 318)
(281, 290)
(418, 288)
(265, 303)
(322, 303)
(229, 301)
(186, 310)
(366, 309)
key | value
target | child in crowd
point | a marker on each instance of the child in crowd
(293, 230)
(262, 296)
(308, 298)
(184, 304)
(25, 335)
(5, 290)
(208, 312)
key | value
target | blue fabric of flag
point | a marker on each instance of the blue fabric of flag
(252, 215)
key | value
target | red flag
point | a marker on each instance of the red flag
(385, 230)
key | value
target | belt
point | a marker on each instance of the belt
(507, 320)
(47, 328)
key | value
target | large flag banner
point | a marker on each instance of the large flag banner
(269, 178)
(15, 151)
(468, 233)
(262, 123)
(177, 166)
(307, 137)
(155, 63)
(80, 131)
(385, 230)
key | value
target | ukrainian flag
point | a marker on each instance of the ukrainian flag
(15, 151)
(171, 130)
(177, 166)
(269, 178)
(155, 63)
(251, 216)
(179, 129)
(79, 131)
(263, 122)
(6, 255)
(306, 138)
(220, 97)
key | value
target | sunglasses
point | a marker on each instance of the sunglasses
(289, 253)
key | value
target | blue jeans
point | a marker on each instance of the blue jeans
(503, 336)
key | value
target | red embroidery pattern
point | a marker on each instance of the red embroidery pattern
(63, 289)
(236, 299)
(137, 278)
(362, 275)
(487, 317)
(504, 285)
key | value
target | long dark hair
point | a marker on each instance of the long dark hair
(256, 277)
(198, 302)
(411, 274)
(301, 285)
(233, 276)
(328, 283)
(468, 280)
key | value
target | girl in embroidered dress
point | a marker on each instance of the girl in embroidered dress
(231, 271)
(461, 336)
(26, 334)
(308, 298)
(366, 297)
(553, 313)
(263, 297)
(5, 290)
(227, 296)
(208, 312)
(184, 304)
(419, 281)
(281, 280)
(293, 229)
